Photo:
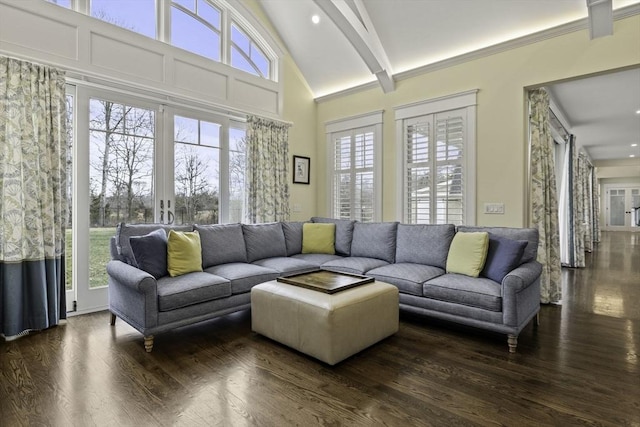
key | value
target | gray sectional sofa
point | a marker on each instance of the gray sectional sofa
(235, 257)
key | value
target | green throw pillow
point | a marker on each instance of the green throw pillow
(184, 253)
(468, 253)
(318, 238)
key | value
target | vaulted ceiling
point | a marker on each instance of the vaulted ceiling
(373, 42)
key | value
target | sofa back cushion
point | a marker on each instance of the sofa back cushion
(264, 241)
(528, 234)
(124, 231)
(424, 243)
(293, 237)
(319, 238)
(374, 240)
(221, 244)
(344, 233)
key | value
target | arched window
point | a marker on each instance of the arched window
(196, 27)
(209, 28)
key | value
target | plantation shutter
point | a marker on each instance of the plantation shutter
(449, 167)
(434, 168)
(353, 180)
(418, 170)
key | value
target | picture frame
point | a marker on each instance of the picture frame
(301, 169)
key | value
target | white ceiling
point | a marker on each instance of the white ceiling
(408, 34)
(601, 112)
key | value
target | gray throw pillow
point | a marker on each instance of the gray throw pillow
(150, 252)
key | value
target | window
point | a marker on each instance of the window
(63, 3)
(246, 55)
(208, 171)
(138, 16)
(438, 154)
(356, 191)
(195, 26)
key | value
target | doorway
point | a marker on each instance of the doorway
(622, 207)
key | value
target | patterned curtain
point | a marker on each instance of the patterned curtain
(595, 201)
(544, 203)
(267, 170)
(33, 207)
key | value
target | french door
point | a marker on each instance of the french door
(142, 162)
(114, 181)
(622, 207)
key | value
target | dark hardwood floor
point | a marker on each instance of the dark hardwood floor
(579, 367)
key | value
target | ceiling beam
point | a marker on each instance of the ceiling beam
(359, 30)
(600, 18)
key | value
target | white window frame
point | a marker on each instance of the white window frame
(464, 100)
(371, 120)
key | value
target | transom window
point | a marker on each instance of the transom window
(195, 26)
(205, 27)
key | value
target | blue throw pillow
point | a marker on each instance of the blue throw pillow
(503, 256)
(150, 252)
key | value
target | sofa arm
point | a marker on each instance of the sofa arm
(521, 295)
(521, 277)
(130, 276)
(133, 295)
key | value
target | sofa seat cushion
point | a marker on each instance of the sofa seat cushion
(316, 259)
(189, 289)
(408, 277)
(353, 265)
(286, 265)
(243, 276)
(460, 289)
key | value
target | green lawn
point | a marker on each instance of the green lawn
(98, 256)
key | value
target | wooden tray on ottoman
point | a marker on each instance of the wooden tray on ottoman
(328, 282)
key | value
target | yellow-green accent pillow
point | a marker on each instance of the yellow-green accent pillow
(318, 238)
(184, 253)
(468, 253)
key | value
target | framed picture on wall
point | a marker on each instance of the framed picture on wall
(301, 166)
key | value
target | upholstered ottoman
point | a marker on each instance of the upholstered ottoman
(327, 327)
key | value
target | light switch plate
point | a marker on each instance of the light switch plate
(494, 208)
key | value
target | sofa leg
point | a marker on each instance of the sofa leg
(537, 319)
(512, 340)
(112, 321)
(148, 343)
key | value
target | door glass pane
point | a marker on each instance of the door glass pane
(616, 207)
(121, 175)
(69, 225)
(197, 171)
(635, 208)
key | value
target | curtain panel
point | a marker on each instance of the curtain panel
(544, 203)
(33, 194)
(267, 172)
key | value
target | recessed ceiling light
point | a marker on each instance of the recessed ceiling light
(637, 111)
(632, 155)
(316, 19)
(634, 145)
